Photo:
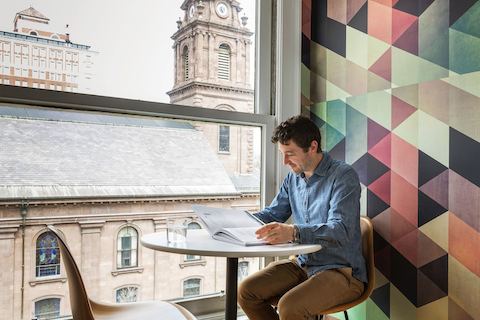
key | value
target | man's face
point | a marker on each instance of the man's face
(297, 159)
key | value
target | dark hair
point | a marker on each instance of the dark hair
(300, 130)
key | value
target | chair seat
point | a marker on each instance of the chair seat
(140, 310)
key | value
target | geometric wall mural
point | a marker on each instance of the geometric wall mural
(394, 86)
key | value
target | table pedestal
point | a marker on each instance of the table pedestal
(231, 289)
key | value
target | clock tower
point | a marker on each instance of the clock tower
(212, 70)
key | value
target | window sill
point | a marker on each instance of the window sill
(127, 270)
(224, 152)
(193, 263)
(33, 283)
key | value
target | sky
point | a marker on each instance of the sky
(132, 37)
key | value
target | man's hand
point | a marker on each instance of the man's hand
(275, 233)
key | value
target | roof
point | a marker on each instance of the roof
(32, 12)
(47, 154)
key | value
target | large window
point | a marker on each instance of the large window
(47, 255)
(127, 242)
(47, 309)
(135, 71)
(223, 138)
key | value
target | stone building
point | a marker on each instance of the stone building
(104, 180)
(35, 55)
(212, 70)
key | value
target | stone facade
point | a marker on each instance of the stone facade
(91, 231)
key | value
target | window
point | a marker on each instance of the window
(224, 138)
(191, 287)
(127, 248)
(47, 308)
(33, 33)
(126, 294)
(189, 257)
(186, 73)
(47, 255)
(224, 62)
(242, 270)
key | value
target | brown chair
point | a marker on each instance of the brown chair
(368, 254)
(83, 308)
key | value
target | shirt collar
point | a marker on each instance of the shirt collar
(324, 165)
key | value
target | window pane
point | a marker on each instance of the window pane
(127, 294)
(191, 287)
(159, 59)
(47, 308)
(47, 255)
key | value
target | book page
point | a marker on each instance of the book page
(245, 236)
(216, 219)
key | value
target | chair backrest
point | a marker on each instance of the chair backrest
(368, 254)
(79, 302)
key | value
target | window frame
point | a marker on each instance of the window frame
(200, 282)
(58, 267)
(136, 286)
(133, 250)
(59, 298)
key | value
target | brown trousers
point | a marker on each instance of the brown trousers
(298, 296)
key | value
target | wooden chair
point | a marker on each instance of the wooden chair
(368, 254)
(83, 308)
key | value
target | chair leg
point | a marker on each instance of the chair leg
(346, 314)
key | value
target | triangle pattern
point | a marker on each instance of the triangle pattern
(428, 291)
(401, 21)
(400, 111)
(383, 66)
(382, 151)
(437, 271)
(458, 8)
(375, 205)
(408, 41)
(415, 7)
(381, 297)
(381, 187)
(369, 169)
(428, 209)
(375, 133)
(437, 189)
(428, 168)
(437, 230)
(360, 19)
(338, 151)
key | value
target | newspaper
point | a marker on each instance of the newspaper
(230, 225)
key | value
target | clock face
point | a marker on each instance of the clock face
(222, 9)
(191, 10)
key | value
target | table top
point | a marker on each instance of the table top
(199, 242)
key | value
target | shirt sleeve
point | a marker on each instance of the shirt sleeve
(343, 213)
(279, 210)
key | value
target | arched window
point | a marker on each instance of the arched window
(127, 243)
(47, 308)
(186, 73)
(224, 62)
(191, 287)
(33, 33)
(192, 226)
(126, 294)
(242, 270)
(223, 138)
(47, 255)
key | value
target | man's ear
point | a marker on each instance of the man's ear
(314, 146)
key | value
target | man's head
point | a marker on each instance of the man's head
(299, 141)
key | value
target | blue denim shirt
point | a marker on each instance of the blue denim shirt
(326, 210)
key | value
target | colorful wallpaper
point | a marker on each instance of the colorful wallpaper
(394, 86)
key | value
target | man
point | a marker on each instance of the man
(323, 197)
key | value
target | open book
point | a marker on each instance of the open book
(230, 225)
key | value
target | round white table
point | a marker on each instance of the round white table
(199, 242)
